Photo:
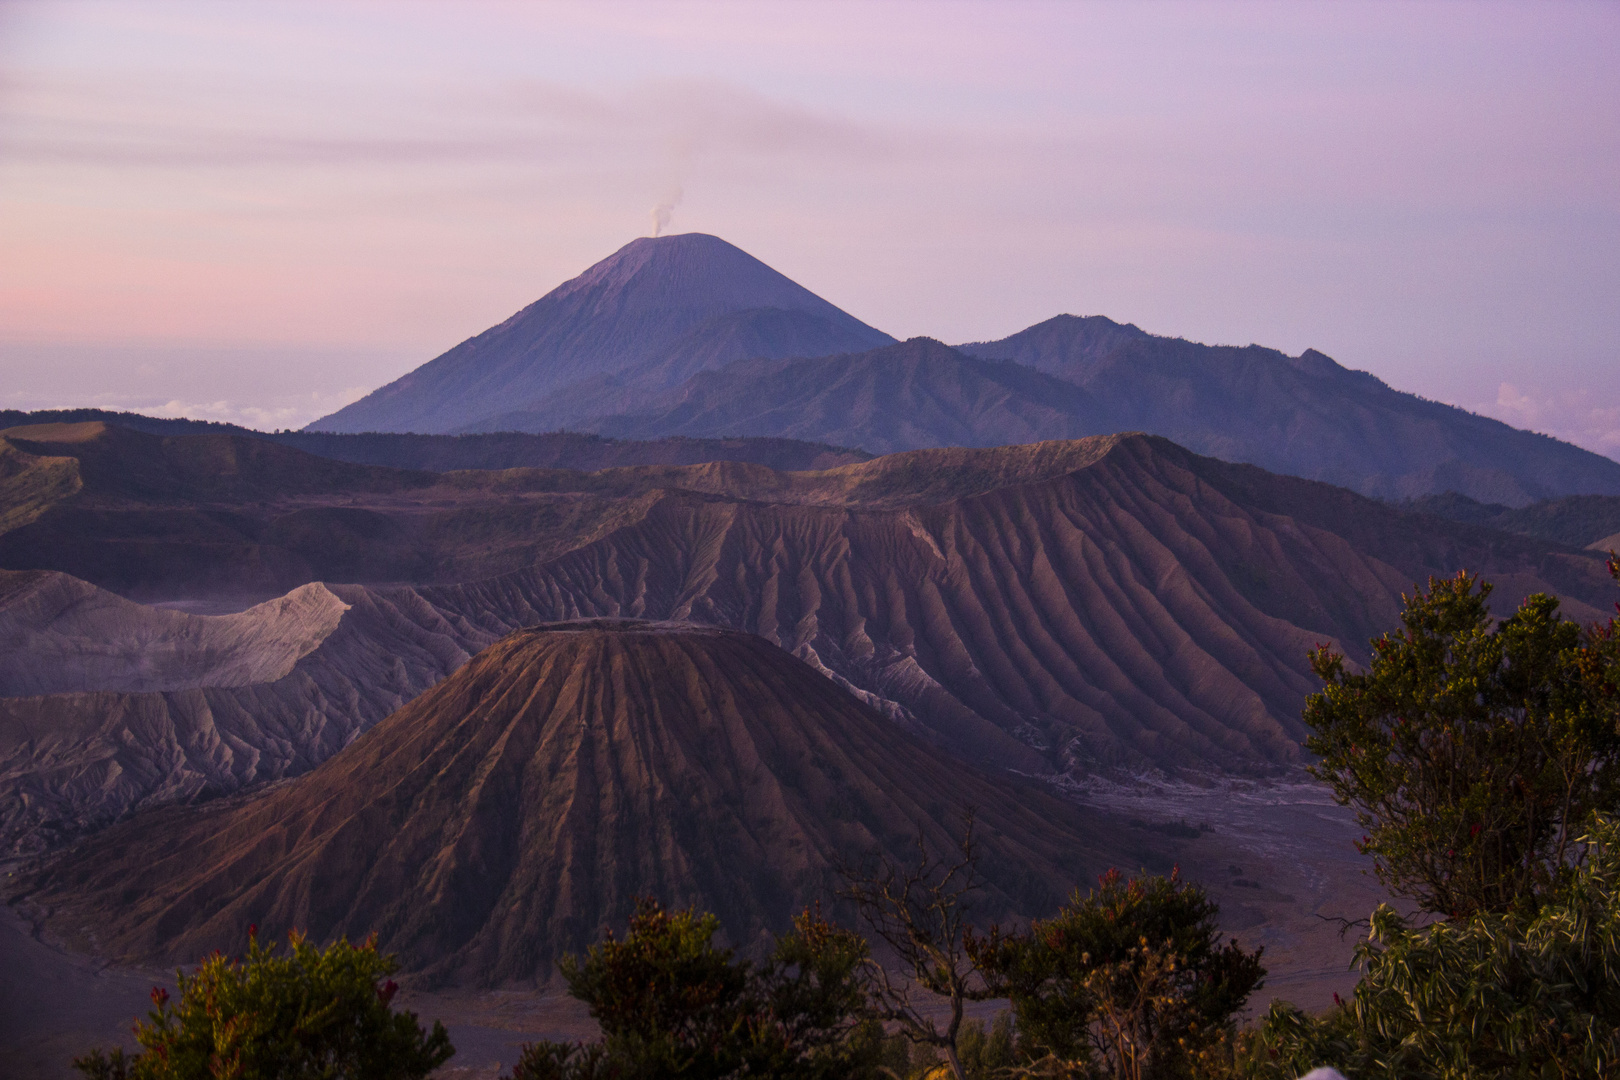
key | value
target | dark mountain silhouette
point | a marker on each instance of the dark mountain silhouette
(1305, 415)
(681, 302)
(687, 335)
(920, 393)
(561, 450)
(498, 450)
(133, 465)
(166, 517)
(1581, 521)
(767, 332)
(1071, 377)
(504, 817)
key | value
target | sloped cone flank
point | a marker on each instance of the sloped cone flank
(504, 817)
(675, 304)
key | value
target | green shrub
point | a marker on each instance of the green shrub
(1473, 751)
(1128, 981)
(672, 1003)
(988, 1053)
(1510, 995)
(310, 1014)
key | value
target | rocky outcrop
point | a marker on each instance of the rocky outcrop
(59, 634)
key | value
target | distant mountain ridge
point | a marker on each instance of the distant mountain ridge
(903, 397)
(674, 304)
(1071, 377)
(688, 336)
(586, 451)
(1305, 415)
(1581, 521)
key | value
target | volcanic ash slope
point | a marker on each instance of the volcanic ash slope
(108, 705)
(1106, 603)
(508, 814)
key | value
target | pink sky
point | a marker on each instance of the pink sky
(258, 211)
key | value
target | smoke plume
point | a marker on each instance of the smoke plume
(665, 208)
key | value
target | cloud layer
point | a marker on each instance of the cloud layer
(1579, 415)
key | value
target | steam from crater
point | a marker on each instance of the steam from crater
(665, 209)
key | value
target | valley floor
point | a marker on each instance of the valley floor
(1279, 858)
(1276, 855)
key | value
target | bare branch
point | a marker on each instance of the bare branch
(920, 911)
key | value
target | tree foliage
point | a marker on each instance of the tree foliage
(308, 1014)
(1495, 995)
(1476, 754)
(1129, 981)
(1473, 751)
(664, 994)
(671, 1002)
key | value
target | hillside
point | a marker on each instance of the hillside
(131, 465)
(109, 706)
(767, 333)
(1149, 608)
(1581, 521)
(1302, 415)
(1114, 603)
(916, 394)
(498, 450)
(223, 516)
(503, 817)
(681, 302)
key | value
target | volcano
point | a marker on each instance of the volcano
(1112, 603)
(505, 816)
(675, 304)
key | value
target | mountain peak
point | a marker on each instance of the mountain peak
(690, 259)
(627, 311)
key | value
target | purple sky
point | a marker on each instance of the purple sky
(258, 211)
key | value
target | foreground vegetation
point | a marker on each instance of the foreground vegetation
(1482, 758)
(306, 1014)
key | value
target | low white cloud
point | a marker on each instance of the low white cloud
(1582, 416)
(271, 415)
